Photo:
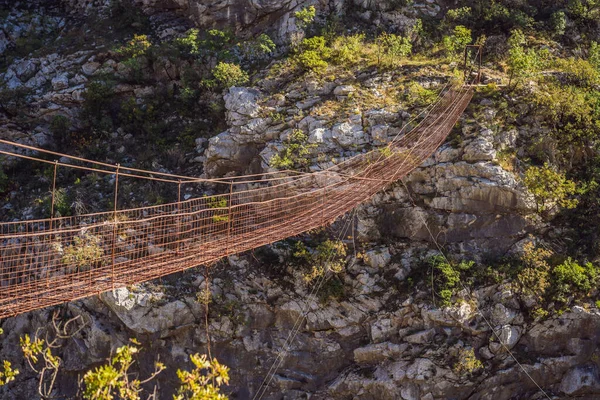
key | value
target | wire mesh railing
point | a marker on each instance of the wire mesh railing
(51, 261)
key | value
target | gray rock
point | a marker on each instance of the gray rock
(581, 380)
(423, 337)
(60, 82)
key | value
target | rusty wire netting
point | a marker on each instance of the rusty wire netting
(51, 261)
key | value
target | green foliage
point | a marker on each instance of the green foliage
(594, 55)
(305, 16)
(14, 102)
(533, 279)
(189, 43)
(295, 152)
(418, 96)
(522, 63)
(97, 103)
(461, 15)
(219, 203)
(204, 381)
(570, 278)
(329, 255)
(447, 277)
(7, 373)
(549, 188)
(62, 205)
(114, 381)
(85, 252)
(346, 50)
(467, 363)
(59, 128)
(456, 42)
(558, 23)
(393, 49)
(259, 48)
(4, 181)
(228, 74)
(136, 47)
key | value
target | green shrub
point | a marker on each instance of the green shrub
(59, 128)
(114, 380)
(461, 15)
(204, 381)
(347, 50)
(311, 61)
(533, 278)
(456, 42)
(467, 363)
(295, 152)
(305, 16)
(97, 102)
(521, 63)
(418, 96)
(393, 49)
(7, 373)
(136, 47)
(570, 278)
(219, 203)
(227, 75)
(549, 188)
(447, 277)
(594, 55)
(558, 23)
(85, 252)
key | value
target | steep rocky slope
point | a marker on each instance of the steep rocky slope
(377, 330)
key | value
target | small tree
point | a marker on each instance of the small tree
(305, 16)
(522, 63)
(549, 188)
(594, 55)
(558, 22)
(458, 40)
(7, 373)
(114, 378)
(228, 74)
(204, 381)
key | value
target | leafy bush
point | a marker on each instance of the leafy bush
(295, 152)
(418, 96)
(522, 63)
(533, 279)
(329, 255)
(393, 48)
(447, 277)
(203, 382)
(227, 75)
(594, 55)
(305, 16)
(558, 23)
(59, 128)
(85, 252)
(458, 40)
(571, 277)
(219, 203)
(549, 188)
(462, 14)
(98, 100)
(467, 363)
(114, 379)
(7, 374)
(136, 47)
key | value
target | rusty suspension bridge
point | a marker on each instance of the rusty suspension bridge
(56, 260)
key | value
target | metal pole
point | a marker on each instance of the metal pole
(479, 71)
(51, 217)
(114, 236)
(178, 216)
(466, 52)
(229, 217)
(53, 194)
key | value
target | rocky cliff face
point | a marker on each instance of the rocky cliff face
(371, 332)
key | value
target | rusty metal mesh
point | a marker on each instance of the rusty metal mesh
(51, 261)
